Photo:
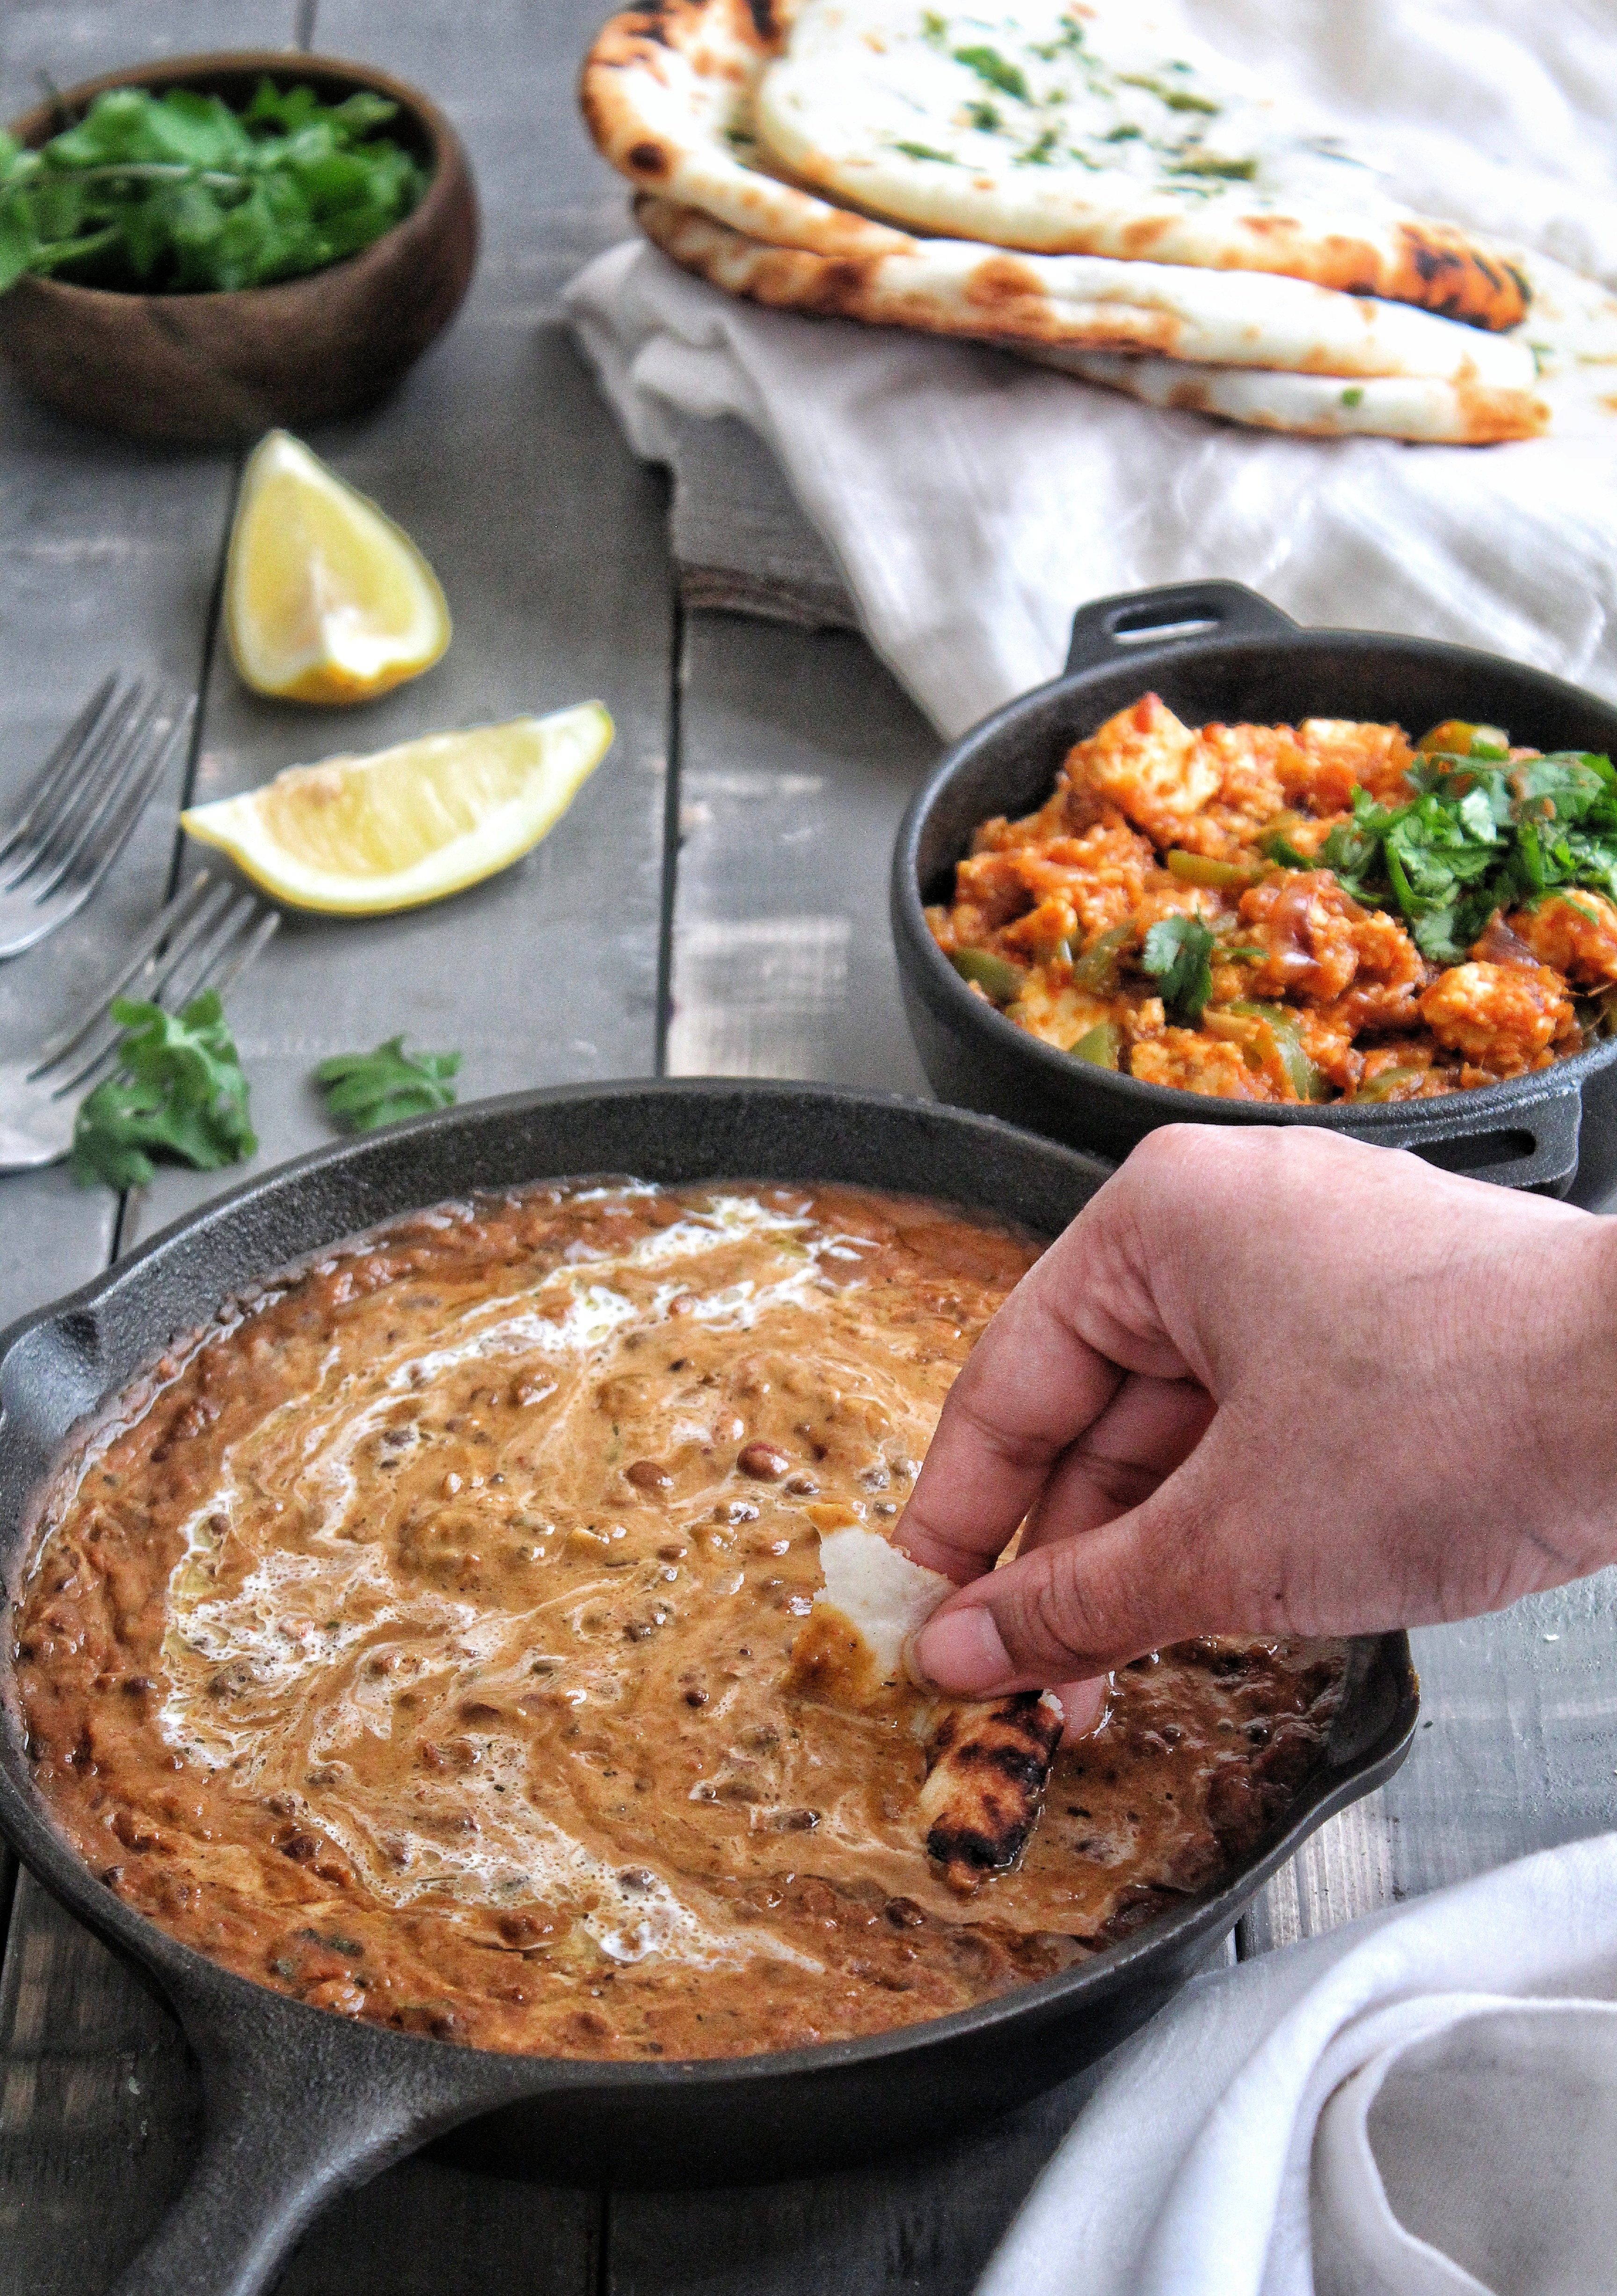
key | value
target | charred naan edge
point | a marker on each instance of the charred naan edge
(952, 287)
(667, 94)
(989, 1762)
(1104, 129)
(990, 1766)
(874, 1598)
(1416, 408)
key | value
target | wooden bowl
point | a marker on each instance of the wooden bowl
(228, 366)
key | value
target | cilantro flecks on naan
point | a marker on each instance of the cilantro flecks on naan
(1065, 184)
(1097, 128)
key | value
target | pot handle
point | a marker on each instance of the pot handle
(1534, 1148)
(1107, 630)
(295, 2114)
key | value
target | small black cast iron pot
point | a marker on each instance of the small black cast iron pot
(301, 2103)
(1217, 651)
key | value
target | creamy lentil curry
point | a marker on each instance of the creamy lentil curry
(419, 1639)
(1311, 912)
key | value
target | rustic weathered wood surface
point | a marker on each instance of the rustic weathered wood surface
(760, 948)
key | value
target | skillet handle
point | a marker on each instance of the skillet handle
(1109, 630)
(1533, 1147)
(295, 2115)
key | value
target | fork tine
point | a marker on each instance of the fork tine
(105, 840)
(167, 924)
(209, 946)
(91, 800)
(256, 941)
(42, 790)
(83, 773)
(214, 925)
(186, 978)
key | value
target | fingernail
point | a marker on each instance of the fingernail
(962, 1650)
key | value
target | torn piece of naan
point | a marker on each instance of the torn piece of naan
(874, 1598)
(988, 1759)
(1222, 318)
(990, 1762)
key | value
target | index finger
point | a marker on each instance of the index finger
(1029, 1389)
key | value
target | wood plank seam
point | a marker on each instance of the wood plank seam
(211, 626)
(671, 778)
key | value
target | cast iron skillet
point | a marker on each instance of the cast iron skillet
(301, 2103)
(1215, 650)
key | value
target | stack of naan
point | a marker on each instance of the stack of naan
(1074, 179)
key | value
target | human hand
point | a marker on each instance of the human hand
(1275, 1382)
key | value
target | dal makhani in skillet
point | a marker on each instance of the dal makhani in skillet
(435, 1638)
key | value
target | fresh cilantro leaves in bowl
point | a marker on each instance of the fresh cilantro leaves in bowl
(180, 193)
(207, 247)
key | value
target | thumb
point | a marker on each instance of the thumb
(1079, 1606)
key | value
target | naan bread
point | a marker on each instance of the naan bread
(1415, 407)
(956, 287)
(876, 1594)
(1091, 127)
(987, 1760)
(668, 92)
(990, 1765)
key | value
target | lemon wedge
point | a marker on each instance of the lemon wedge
(325, 599)
(360, 836)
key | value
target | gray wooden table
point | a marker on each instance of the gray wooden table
(715, 902)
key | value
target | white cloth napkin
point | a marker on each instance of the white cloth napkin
(1422, 2104)
(971, 503)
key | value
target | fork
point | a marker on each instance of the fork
(206, 938)
(83, 803)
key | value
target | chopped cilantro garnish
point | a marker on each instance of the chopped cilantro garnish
(1194, 162)
(926, 152)
(983, 115)
(1178, 954)
(1177, 99)
(1353, 396)
(990, 65)
(1481, 834)
(1037, 154)
(1069, 39)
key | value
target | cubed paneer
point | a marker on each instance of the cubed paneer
(1501, 1016)
(1149, 766)
(1319, 769)
(1576, 933)
(1192, 1062)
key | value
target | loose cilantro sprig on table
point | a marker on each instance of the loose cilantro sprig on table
(364, 1090)
(1482, 834)
(178, 1090)
(178, 194)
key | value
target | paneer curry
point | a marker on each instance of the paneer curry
(422, 1639)
(1311, 912)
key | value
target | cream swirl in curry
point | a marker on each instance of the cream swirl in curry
(418, 1639)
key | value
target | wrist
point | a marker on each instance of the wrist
(1577, 1409)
